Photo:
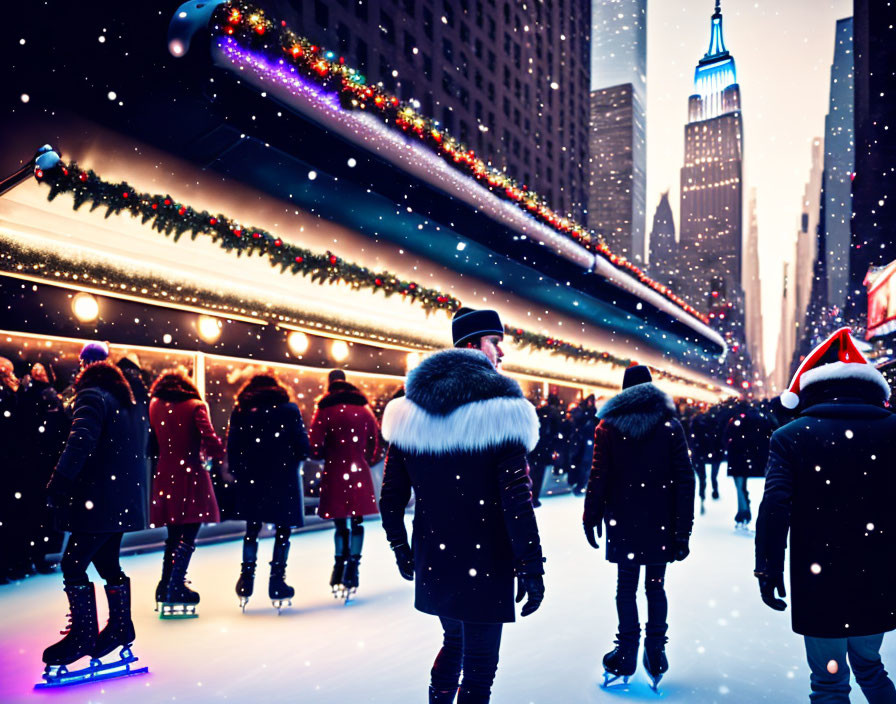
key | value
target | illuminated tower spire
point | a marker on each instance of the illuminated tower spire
(714, 76)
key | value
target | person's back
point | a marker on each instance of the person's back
(830, 483)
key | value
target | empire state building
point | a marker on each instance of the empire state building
(711, 184)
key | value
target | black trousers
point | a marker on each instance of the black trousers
(627, 606)
(471, 648)
(102, 549)
(183, 533)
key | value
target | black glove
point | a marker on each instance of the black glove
(768, 583)
(533, 586)
(590, 526)
(59, 488)
(682, 550)
(404, 558)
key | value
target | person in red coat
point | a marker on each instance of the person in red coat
(182, 495)
(345, 435)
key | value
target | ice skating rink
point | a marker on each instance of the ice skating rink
(725, 645)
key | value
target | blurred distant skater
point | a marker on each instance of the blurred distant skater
(182, 498)
(266, 444)
(98, 491)
(584, 417)
(642, 486)
(746, 443)
(345, 435)
(549, 418)
(41, 433)
(704, 444)
(831, 484)
(12, 557)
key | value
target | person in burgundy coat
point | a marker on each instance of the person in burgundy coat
(345, 435)
(182, 496)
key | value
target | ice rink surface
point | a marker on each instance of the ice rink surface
(724, 644)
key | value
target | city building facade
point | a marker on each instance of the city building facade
(618, 126)
(663, 263)
(752, 285)
(508, 79)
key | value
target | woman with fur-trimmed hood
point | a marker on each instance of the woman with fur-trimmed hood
(345, 435)
(643, 486)
(459, 439)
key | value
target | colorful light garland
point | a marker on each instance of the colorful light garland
(249, 24)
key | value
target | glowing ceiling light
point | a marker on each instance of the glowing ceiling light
(411, 361)
(209, 328)
(339, 350)
(85, 307)
(298, 342)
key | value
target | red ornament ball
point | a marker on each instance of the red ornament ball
(83, 176)
(181, 210)
(299, 260)
(213, 221)
(167, 201)
(378, 281)
(124, 195)
(278, 243)
(333, 259)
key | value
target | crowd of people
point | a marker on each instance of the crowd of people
(116, 454)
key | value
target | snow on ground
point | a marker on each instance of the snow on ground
(725, 645)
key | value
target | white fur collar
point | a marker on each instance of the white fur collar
(472, 427)
(844, 370)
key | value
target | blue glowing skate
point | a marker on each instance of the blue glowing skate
(61, 676)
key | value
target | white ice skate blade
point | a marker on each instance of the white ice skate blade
(60, 676)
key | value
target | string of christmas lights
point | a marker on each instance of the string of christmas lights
(248, 24)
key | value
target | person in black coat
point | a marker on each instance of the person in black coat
(746, 440)
(642, 486)
(13, 556)
(459, 439)
(831, 484)
(42, 430)
(98, 491)
(266, 444)
(703, 445)
(549, 418)
(584, 417)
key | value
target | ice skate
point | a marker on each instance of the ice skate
(61, 676)
(245, 585)
(279, 591)
(621, 662)
(350, 578)
(341, 540)
(119, 631)
(655, 662)
(162, 586)
(180, 601)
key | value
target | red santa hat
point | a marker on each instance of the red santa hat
(836, 357)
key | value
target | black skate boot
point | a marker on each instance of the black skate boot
(245, 585)
(341, 540)
(437, 696)
(465, 696)
(622, 661)
(162, 587)
(351, 575)
(279, 591)
(180, 600)
(655, 662)
(119, 631)
(80, 636)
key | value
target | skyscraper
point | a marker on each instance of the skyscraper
(807, 238)
(663, 265)
(617, 130)
(509, 80)
(711, 179)
(874, 185)
(752, 285)
(839, 161)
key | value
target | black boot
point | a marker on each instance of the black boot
(80, 637)
(437, 696)
(622, 661)
(162, 587)
(655, 661)
(245, 585)
(341, 541)
(278, 590)
(351, 575)
(119, 631)
(465, 696)
(180, 600)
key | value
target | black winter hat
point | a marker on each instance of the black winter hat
(634, 375)
(335, 375)
(469, 324)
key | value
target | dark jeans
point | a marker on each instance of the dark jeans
(99, 548)
(700, 471)
(185, 533)
(743, 496)
(864, 656)
(536, 475)
(471, 647)
(627, 606)
(250, 542)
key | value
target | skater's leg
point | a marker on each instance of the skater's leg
(825, 655)
(250, 540)
(356, 543)
(78, 555)
(482, 642)
(245, 585)
(714, 477)
(700, 471)
(278, 589)
(106, 559)
(740, 484)
(864, 657)
(536, 474)
(341, 551)
(445, 673)
(626, 605)
(657, 606)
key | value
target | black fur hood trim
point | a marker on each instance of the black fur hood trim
(266, 396)
(341, 392)
(447, 380)
(637, 410)
(108, 377)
